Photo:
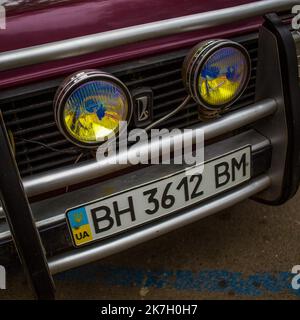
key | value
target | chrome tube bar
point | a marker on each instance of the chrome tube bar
(100, 41)
(61, 178)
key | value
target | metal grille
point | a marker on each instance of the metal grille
(28, 112)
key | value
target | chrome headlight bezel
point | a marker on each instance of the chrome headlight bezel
(70, 85)
(196, 59)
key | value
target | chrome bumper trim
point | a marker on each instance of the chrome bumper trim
(76, 174)
(100, 41)
(78, 257)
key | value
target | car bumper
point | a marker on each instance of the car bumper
(270, 127)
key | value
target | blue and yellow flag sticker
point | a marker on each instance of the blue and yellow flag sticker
(80, 227)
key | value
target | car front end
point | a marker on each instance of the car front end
(63, 205)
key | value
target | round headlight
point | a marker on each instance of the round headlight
(216, 73)
(89, 107)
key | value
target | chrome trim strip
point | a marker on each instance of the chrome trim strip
(78, 257)
(76, 174)
(100, 41)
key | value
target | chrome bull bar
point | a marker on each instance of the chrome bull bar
(264, 107)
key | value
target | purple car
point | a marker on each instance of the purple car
(123, 120)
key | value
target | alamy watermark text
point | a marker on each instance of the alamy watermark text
(2, 16)
(2, 278)
(296, 19)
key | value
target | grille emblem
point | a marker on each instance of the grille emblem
(143, 106)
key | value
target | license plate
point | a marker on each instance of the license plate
(134, 207)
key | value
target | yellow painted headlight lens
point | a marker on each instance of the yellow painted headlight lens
(94, 110)
(90, 106)
(223, 76)
(216, 73)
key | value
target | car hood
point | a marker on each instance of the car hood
(20, 6)
(35, 22)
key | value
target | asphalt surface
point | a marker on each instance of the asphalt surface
(245, 252)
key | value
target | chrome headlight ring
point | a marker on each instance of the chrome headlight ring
(197, 59)
(79, 81)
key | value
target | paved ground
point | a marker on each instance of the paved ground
(245, 252)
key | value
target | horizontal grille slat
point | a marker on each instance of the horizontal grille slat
(167, 84)
(182, 118)
(51, 165)
(50, 146)
(152, 78)
(29, 119)
(28, 108)
(162, 113)
(41, 147)
(169, 93)
(167, 104)
(44, 156)
(34, 129)
(41, 137)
